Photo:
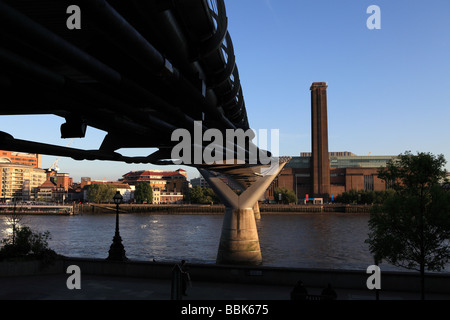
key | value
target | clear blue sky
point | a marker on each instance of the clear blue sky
(388, 89)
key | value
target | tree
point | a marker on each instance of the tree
(411, 229)
(196, 194)
(143, 192)
(287, 196)
(26, 243)
(363, 196)
(100, 192)
(209, 195)
(202, 195)
(350, 196)
(14, 220)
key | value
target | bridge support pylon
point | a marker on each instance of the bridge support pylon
(239, 241)
(256, 211)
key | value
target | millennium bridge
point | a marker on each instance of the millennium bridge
(139, 70)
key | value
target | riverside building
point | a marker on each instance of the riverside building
(166, 181)
(324, 174)
(19, 182)
(20, 175)
(28, 159)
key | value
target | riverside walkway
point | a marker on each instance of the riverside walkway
(100, 279)
(96, 287)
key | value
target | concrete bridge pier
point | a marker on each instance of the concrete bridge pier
(239, 241)
(256, 211)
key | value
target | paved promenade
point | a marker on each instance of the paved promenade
(93, 287)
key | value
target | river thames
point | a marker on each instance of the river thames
(332, 241)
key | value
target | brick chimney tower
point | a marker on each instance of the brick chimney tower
(320, 161)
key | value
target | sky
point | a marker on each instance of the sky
(388, 88)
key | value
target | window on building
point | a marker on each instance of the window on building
(368, 182)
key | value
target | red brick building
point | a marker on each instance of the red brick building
(361, 174)
(323, 174)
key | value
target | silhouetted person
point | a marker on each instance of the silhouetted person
(184, 277)
(328, 293)
(299, 292)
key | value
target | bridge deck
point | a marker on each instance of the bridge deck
(136, 69)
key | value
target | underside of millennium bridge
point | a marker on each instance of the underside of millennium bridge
(138, 70)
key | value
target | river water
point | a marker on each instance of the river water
(334, 241)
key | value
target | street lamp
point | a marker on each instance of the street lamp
(117, 251)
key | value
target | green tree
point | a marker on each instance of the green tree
(202, 195)
(411, 229)
(143, 192)
(26, 243)
(100, 192)
(350, 196)
(363, 197)
(196, 194)
(381, 196)
(210, 195)
(287, 196)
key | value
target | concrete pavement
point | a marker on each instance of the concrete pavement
(96, 287)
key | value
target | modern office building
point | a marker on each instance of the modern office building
(28, 159)
(199, 182)
(23, 179)
(19, 182)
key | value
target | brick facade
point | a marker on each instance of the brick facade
(321, 173)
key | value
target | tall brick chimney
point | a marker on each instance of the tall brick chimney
(320, 161)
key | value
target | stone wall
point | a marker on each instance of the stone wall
(345, 279)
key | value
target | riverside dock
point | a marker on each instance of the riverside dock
(217, 209)
(43, 209)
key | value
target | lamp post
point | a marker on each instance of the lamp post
(117, 251)
(377, 291)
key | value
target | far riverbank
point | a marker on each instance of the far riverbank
(217, 209)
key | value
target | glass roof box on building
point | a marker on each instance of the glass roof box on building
(342, 160)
